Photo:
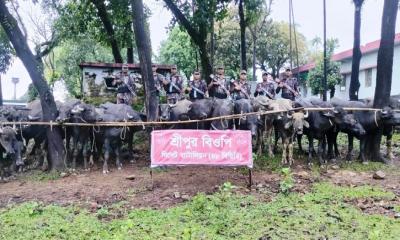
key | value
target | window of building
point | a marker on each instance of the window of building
(343, 83)
(368, 77)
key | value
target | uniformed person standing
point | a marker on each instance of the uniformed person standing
(219, 86)
(197, 88)
(158, 78)
(289, 86)
(266, 87)
(126, 88)
(173, 86)
(240, 88)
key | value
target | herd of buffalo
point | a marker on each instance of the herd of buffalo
(290, 121)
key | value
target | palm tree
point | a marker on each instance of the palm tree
(355, 67)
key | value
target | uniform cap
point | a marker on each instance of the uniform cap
(243, 72)
(220, 67)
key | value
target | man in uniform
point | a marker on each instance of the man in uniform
(266, 87)
(289, 86)
(197, 88)
(173, 86)
(240, 88)
(219, 86)
(126, 88)
(158, 78)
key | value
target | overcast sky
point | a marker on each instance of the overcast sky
(308, 17)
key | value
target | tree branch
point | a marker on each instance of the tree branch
(19, 20)
(183, 21)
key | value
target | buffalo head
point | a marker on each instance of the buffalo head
(297, 121)
(10, 144)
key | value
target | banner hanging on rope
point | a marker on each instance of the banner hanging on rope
(201, 147)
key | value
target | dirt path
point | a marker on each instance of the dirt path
(174, 185)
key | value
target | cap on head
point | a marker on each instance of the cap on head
(174, 68)
(243, 72)
(265, 73)
(125, 67)
(220, 67)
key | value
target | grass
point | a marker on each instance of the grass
(40, 176)
(322, 213)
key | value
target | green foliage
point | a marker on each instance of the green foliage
(287, 182)
(333, 70)
(273, 49)
(179, 50)
(79, 17)
(32, 93)
(6, 52)
(71, 53)
(322, 213)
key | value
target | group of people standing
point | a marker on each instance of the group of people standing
(220, 86)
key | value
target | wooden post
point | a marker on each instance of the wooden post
(250, 178)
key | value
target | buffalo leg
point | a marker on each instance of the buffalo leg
(291, 153)
(85, 151)
(117, 156)
(310, 149)
(389, 146)
(77, 150)
(350, 140)
(107, 148)
(299, 136)
(363, 144)
(284, 148)
(321, 151)
(268, 137)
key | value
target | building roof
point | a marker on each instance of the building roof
(119, 65)
(348, 54)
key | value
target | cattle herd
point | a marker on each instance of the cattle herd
(289, 121)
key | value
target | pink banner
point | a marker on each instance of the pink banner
(201, 147)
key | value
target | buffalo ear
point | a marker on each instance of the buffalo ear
(288, 124)
(306, 124)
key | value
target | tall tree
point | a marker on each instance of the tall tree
(355, 66)
(259, 23)
(384, 71)
(6, 53)
(108, 26)
(34, 65)
(333, 71)
(144, 51)
(107, 22)
(242, 24)
(197, 22)
(178, 49)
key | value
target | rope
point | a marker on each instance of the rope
(375, 118)
(156, 123)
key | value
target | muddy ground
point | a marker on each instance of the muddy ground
(94, 190)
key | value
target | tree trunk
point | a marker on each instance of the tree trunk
(384, 71)
(199, 39)
(355, 67)
(34, 67)
(129, 55)
(1, 92)
(242, 25)
(254, 56)
(103, 15)
(205, 62)
(144, 50)
(212, 42)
